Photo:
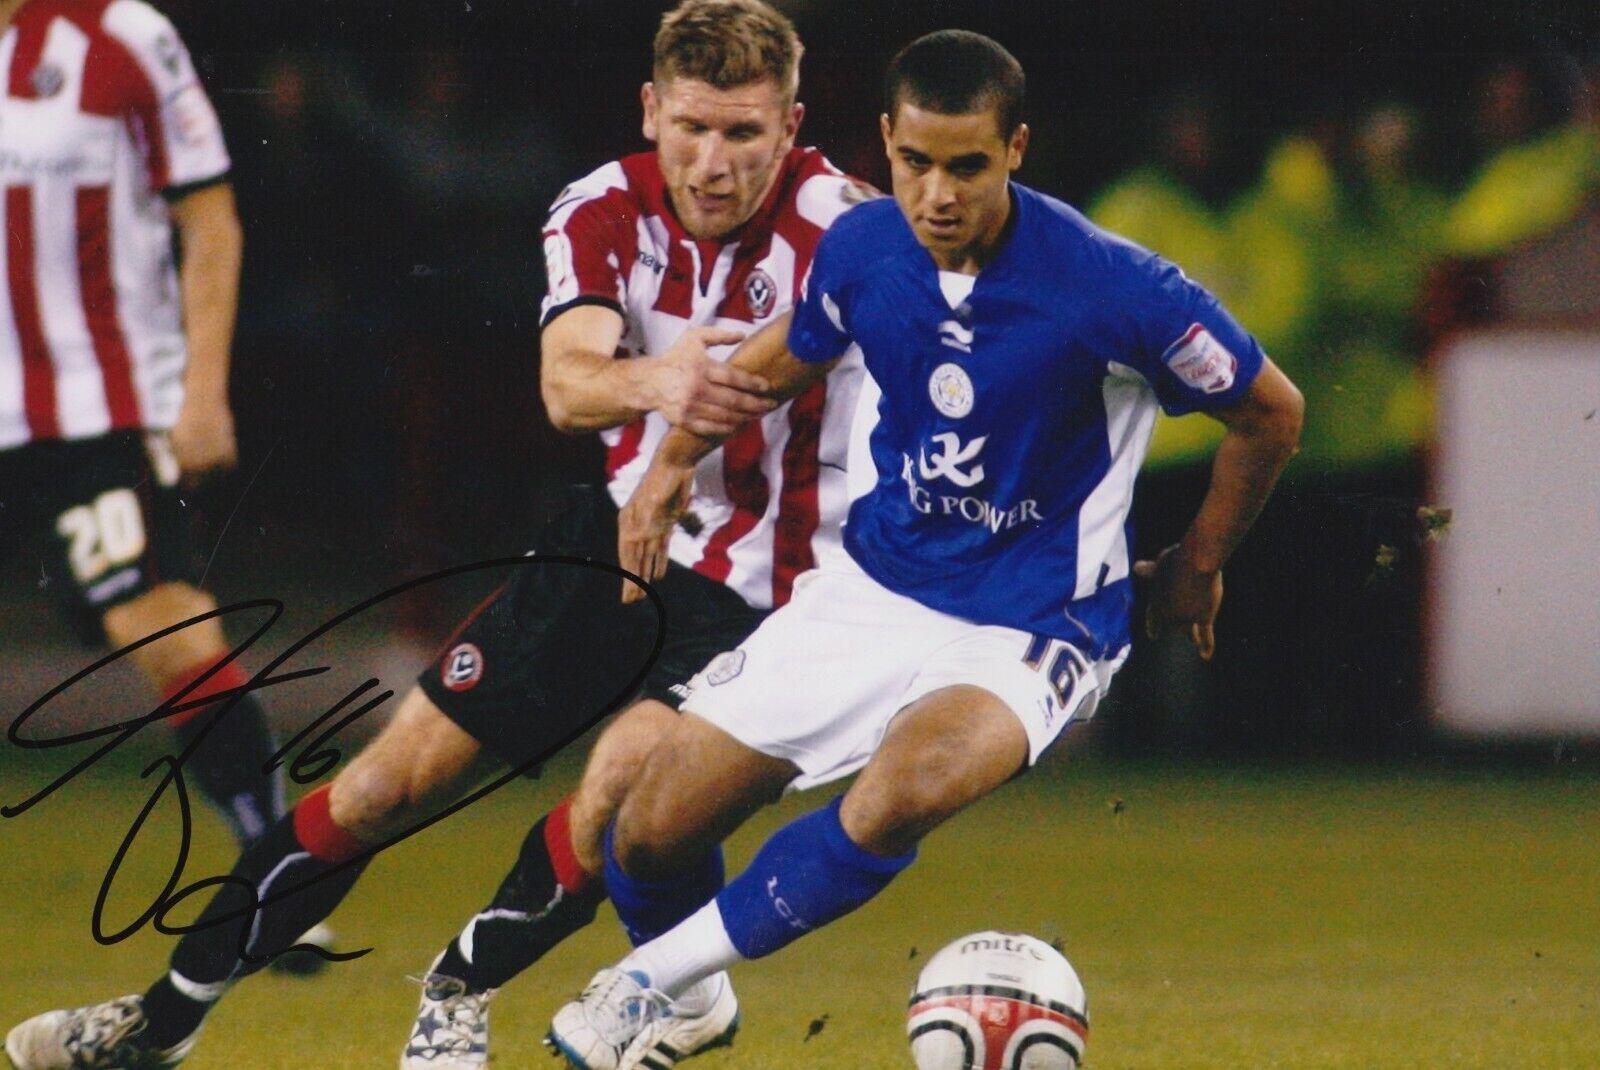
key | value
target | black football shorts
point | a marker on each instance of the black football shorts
(555, 649)
(100, 517)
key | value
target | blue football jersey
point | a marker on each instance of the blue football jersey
(1015, 408)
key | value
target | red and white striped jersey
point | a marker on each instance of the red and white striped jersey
(101, 113)
(770, 502)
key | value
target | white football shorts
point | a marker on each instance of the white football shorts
(819, 681)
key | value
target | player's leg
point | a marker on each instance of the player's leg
(416, 765)
(552, 651)
(980, 709)
(940, 754)
(982, 705)
(118, 547)
(554, 888)
(662, 861)
(761, 718)
(563, 852)
(229, 766)
(663, 854)
(614, 766)
(418, 762)
(551, 892)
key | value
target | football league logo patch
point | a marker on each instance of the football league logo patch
(1201, 361)
(951, 390)
(463, 667)
(761, 292)
(191, 116)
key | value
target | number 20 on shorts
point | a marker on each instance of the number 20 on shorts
(104, 534)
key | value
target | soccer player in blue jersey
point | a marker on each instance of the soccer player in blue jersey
(1021, 353)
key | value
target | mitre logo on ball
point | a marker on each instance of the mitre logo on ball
(998, 1001)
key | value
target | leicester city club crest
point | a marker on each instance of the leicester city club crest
(761, 292)
(951, 390)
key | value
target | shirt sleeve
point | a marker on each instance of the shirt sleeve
(818, 331)
(149, 72)
(1193, 352)
(586, 244)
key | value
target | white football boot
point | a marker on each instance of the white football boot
(452, 1026)
(672, 1036)
(100, 1037)
(594, 1030)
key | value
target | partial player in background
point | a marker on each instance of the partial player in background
(114, 362)
(984, 602)
(666, 258)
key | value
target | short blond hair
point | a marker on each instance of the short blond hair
(728, 43)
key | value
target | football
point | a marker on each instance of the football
(998, 1001)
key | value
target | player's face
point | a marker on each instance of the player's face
(720, 149)
(949, 174)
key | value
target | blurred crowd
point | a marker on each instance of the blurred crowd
(1345, 253)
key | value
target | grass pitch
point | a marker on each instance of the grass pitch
(1219, 918)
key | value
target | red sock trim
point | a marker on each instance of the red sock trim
(228, 678)
(314, 827)
(558, 842)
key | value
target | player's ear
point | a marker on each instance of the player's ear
(791, 124)
(887, 129)
(647, 97)
(1018, 147)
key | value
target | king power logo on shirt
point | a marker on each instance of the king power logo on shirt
(952, 455)
(953, 463)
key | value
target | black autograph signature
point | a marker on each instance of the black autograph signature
(314, 757)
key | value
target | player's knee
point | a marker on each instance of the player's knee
(650, 846)
(369, 800)
(892, 820)
(619, 756)
(155, 609)
(888, 831)
(649, 860)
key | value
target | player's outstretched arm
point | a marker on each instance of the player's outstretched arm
(645, 527)
(586, 388)
(212, 244)
(1263, 433)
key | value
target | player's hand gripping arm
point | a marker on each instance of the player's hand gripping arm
(212, 246)
(586, 388)
(1263, 432)
(645, 526)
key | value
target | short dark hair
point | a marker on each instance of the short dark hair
(957, 72)
(728, 43)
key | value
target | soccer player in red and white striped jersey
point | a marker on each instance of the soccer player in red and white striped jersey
(114, 362)
(658, 265)
(768, 503)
